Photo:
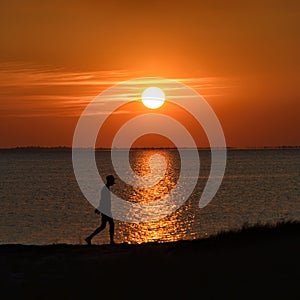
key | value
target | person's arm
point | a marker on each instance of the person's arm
(97, 210)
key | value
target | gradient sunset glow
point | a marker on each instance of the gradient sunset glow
(242, 56)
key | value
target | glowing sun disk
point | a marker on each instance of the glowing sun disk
(153, 97)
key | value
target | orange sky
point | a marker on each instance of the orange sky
(242, 56)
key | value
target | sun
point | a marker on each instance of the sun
(153, 97)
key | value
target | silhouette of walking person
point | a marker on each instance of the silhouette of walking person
(104, 205)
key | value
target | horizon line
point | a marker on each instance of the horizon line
(148, 148)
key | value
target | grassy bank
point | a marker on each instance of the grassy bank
(258, 262)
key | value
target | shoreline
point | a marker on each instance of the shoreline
(258, 260)
(69, 149)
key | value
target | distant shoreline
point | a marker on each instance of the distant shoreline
(69, 149)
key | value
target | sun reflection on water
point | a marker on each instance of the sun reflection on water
(170, 228)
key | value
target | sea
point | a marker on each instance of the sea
(41, 202)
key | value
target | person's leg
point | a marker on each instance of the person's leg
(111, 230)
(99, 229)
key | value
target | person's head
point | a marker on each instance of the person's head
(110, 180)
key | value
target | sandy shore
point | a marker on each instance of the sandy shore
(256, 263)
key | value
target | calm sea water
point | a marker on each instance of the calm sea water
(41, 203)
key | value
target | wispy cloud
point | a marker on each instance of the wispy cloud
(30, 91)
(13, 74)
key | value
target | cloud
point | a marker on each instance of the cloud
(27, 90)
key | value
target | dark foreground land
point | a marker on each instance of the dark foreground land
(260, 262)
